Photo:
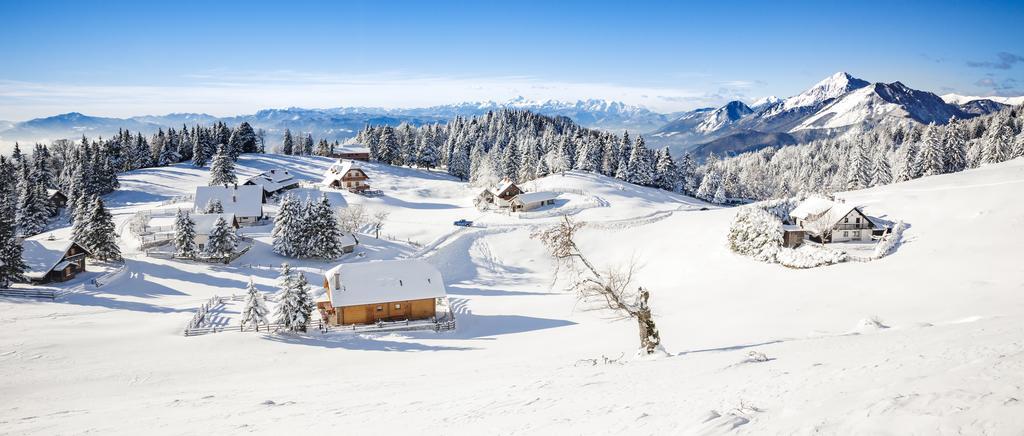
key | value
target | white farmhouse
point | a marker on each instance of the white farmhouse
(244, 202)
(829, 221)
(346, 174)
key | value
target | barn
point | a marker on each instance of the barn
(532, 200)
(389, 290)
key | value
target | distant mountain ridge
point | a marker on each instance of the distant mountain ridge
(334, 123)
(833, 106)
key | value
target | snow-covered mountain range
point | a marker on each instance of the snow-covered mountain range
(832, 106)
(335, 123)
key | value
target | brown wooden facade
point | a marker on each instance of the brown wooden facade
(353, 155)
(371, 313)
(75, 263)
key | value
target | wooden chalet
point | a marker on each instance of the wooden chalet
(500, 196)
(352, 152)
(390, 290)
(50, 258)
(57, 201)
(345, 174)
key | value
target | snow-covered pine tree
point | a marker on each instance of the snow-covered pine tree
(307, 145)
(688, 177)
(956, 146)
(882, 171)
(99, 237)
(558, 160)
(710, 184)
(387, 147)
(610, 158)
(426, 152)
(288, 144)
(998, 141)
(459, 162)
(932, 152)
(666, 172)
(325, 239)
(221, 242)
(287, 233)
(80, 218)
(222, 170)
(858, 172)
(510, 162)
(254, 313)
(323, 148)
(32, 207)
(12, 266)
(296, 304)
(185, 235)
(213, 206)
(243, 140)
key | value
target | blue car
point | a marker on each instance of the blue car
(464, 223)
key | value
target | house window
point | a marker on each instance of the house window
(398, 306)
(846, 220)
(856, 233)
(846, 233)
(858, 220)
(380, 308)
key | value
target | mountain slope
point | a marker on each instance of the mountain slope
(871, 104)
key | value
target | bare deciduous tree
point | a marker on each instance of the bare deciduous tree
(352, 218)
(613, 287)
(378, 220)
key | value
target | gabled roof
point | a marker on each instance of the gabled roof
(534, 197)
(812, 207)
(204, 221)
(274, 180)
(504, 186)
(243, 201)
(50, 193)
(339, 169)
(352, 148)
(42, 253)
(352, 284)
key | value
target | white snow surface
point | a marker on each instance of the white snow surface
(961, 99)
(831, 87)
(113, 360)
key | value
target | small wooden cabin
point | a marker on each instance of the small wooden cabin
(500, 196)
(352, 152)
(347, 175)
(532, 200)
(793, 236)
(57, 200)
(49, 258)
(392, 290)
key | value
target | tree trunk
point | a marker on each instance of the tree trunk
(650, 339)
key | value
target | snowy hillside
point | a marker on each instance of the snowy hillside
(876, 102)
(964, 99)
(924, 341)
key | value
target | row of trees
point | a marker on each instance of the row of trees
(892, 152)
(294, 309)
(520, 145)
(307, 229)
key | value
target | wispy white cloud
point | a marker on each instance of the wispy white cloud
(222, 92)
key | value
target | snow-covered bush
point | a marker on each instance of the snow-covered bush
(756, 233)
(891, 241)
(810, 256)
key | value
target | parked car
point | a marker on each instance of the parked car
(464, 223)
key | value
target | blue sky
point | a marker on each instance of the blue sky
(129, 58)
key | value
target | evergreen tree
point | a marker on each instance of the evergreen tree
(243, 140)
(666, 172)
(98, 235)
(222, 170)
(287, 233)
(12, 266)
(325, 235)
(426, 152)
(185, 235)
(882, 173)
(213, 206)
(387, 146)
(688, 176)
(288, 145)
(955, 146)
(221, 242)
(296, 305)
(510, 162)
(82, 214)
(859, 171)
(932, 152)
(33, 212)
(255, 311)
(307, 145)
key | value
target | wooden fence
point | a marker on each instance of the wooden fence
(50, 294)
(322, 327)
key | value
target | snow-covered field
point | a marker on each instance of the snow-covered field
(927, 340)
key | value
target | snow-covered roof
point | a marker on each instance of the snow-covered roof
(352, 284)
(51, 192)
(273, 180)
(534, 197)
(204, 221)
(243, 201)
(352, 148)
(42, 253)
(339, 169)
(504, 186)
(812, 207)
